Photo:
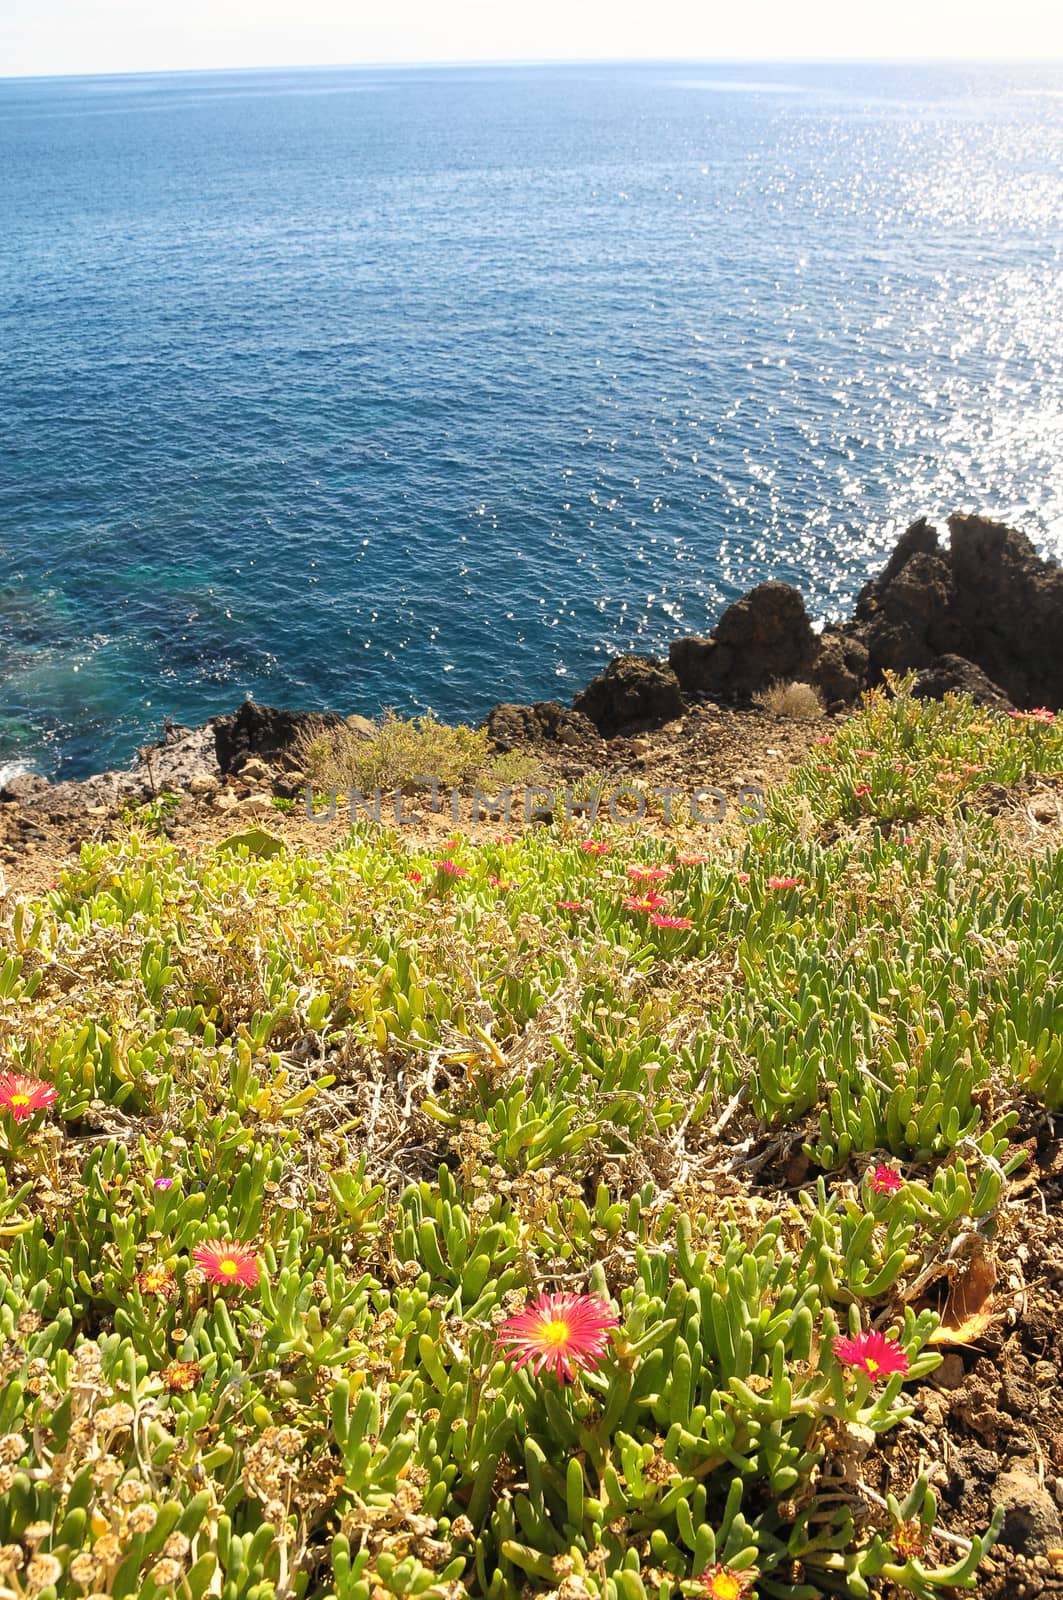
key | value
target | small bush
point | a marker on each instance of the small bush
(799, 700)
(402, 749)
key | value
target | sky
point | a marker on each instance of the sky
(44, 37)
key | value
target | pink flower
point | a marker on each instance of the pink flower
(1039, 714)
(647, 902)
(649, 874)
(671, 922)
(162, 1183)
(23, 1096)
(866, 755)
(569, 905)
(785, 883)
(226, 1263)
(823, 738)
(873, 1353)
(743, 877)
(563, 1333)
(885, 1181)
(595, 847)
(691, 861)
(821, 766)
(450, 869)
(500, 883)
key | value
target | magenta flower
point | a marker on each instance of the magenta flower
(569, 905)
(227, 1263)
(23, 1096)
(644, 902)
(872, 1353)
(595, 847)
(885, 1181)
(450, 869)
(649, 874)
(785, 883)
(562, 1333)
(162, 1183)
(671, 922)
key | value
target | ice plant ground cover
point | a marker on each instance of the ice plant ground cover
(383, 1231)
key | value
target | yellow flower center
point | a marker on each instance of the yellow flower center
(229, 1267)
(556, 1333)
(20, 1099)
(725, 1586)
(871, 1364)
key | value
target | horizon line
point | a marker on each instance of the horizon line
(541, 61)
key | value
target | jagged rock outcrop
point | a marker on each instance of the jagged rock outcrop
(989, 599)
(954, 675)
(633, 692)
(764, 637)
(513, 726)
(264, 731)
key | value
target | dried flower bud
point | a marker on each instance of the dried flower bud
(85, 1568)
(107, 1548)
(42, 1571)
(35, 1533)
(166, 1572)
(11, 1558)
(142, 1519)
(120, 1415)
(177, 1546)
(12, 1447)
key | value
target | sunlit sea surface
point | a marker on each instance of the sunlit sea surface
(437, 388)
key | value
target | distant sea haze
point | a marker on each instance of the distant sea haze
(438, 388)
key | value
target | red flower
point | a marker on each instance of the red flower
(671, 922)
(565, 1333)
(450, 869)
(227, 1263)
(649, 874)
(823, 738)
(885, 1181)
(595, 847)
(873, 1353)
(785, 883)
(862, 789)
(414, 877)
(23, 1096)
(724, 1583)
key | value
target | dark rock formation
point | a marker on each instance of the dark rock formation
(633, 692)
(264, 731)
(513, 726)
(764, 637)
(840, 668)
(954, 675)
(989, 599)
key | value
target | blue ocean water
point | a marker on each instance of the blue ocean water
(435, 388)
